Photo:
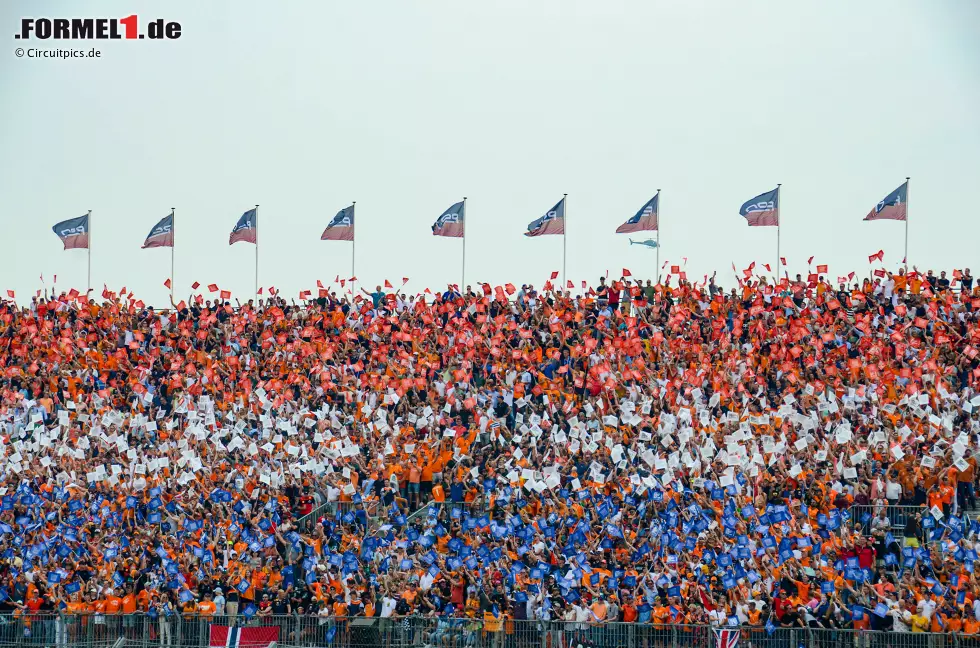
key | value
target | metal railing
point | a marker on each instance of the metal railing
(314, 631)
(332, 509)
(863, 515)
(445, 510)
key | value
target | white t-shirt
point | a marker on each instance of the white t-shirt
(387, 606)
(893, 490)
(927, 607)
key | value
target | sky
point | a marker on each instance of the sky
(407, 106)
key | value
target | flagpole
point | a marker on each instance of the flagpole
(907, 178)
(353, 247)
(462, 285)
(256, 256)
(89, 252)
(173, 245)
(657, 282)
(564, 239)
(779, 226)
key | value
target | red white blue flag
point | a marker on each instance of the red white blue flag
(341, 228)
(644, 220)
(162, 234)
(236, 637)
(894, 206)
(763, 210)
(246, 228)
(73, 232)
(551, 223)
(451, 223)
(726, 638)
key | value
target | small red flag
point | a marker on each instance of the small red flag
(195, 285)
(880, 255)
(821, 268)
(139, 304)
(319, 284)
(554, 275)
(584, 285)
(626, 272)
(213, 287)
(404, 280)
(766, 266)
(10, 293)
(879, 272)
(181, 306)
(850, 275)
(674, 269)
(782, 260)
(569, 284)
(167, 283)
(260, 290)
(226, 294)
(809, 261)
(510, 289)
(388, 284)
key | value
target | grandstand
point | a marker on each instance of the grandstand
(639, 464)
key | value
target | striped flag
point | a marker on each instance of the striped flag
(725, 638)
(237, 637)
(894, 206)
(162, 234)
(645, 219)
(245, 228)
(551, 223)
(451, 223)
(73, 232)
(763, 210)
(341, 228)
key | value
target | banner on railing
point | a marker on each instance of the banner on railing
(235, 637)
(727, 638)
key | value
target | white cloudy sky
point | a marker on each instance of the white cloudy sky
(408, 105)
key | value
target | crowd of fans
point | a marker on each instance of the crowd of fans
(661, 454)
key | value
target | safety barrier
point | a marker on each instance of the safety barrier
(315, 631)
(333, 509)
(863, 515)
(446, 510)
